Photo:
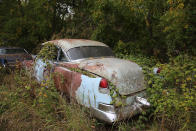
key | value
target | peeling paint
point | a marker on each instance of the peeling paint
(39, 70)
(88, 93)
(71, 81)
(126, 76)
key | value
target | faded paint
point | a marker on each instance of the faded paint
(67, 81)
(88, 93)
(127, 76)
(68, 65)
(39, 70)
(67, 44)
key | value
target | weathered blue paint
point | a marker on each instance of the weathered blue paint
(88, 93)
(39, 70)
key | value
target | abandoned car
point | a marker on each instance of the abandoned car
(88, 72)
(9, 56)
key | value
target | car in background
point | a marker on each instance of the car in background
(3, 62)
(9, 56)
(88, 72)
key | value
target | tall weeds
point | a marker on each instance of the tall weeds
(27, 105)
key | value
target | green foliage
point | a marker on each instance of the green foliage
(160, 28)
(48, 52)
(117, 98)
(3, 72)
(82, 72)
(144, 31)
(28, 24)
(27, 105)
(177, 28)
(173, 94)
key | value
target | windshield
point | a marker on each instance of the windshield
(12, 51)
(89, 51)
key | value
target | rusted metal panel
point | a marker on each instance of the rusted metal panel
(125, 75)
(84, 89)
(28, 63)
(68, 65)
(67, 44)
(67, 81)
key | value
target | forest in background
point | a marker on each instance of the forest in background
(152, 33)
(160, 28)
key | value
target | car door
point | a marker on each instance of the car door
(66, 80)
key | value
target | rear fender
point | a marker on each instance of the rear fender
(88, 93)
(82, 88)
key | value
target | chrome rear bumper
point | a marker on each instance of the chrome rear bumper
(110, 114)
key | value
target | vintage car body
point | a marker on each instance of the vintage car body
(125, 75)
(10, 55)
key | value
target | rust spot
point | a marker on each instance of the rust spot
(68, 65)
(28, 63)
(114, 75)
(97, 66)
(67, 81)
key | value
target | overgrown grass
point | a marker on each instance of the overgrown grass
(27, 105)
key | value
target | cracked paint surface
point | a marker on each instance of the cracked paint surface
(88, 93)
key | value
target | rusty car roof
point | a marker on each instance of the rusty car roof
(67, 44)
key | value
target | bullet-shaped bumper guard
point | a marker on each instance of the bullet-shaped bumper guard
(110, 114)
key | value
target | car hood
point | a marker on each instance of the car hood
(127, 76)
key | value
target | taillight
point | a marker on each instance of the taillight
(103, 83)
(157, 70)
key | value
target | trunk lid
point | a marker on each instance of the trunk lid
(127, 76)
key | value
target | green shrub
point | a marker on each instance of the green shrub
(172, 93)
(48, 52)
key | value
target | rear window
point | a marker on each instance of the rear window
(12, 51)
(89, 51)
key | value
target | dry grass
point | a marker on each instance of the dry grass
(23, 108)
(26, 105)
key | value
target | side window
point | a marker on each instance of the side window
(62, 56)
